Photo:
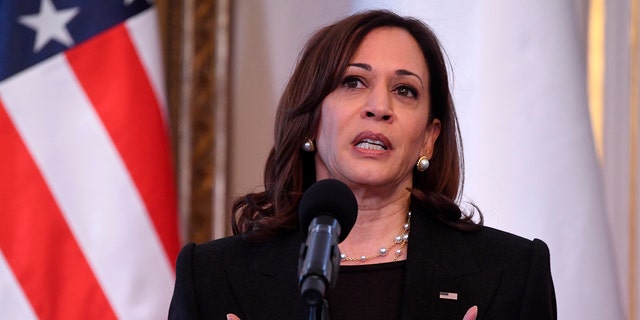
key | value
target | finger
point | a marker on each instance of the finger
(471, 314)
(232, 316)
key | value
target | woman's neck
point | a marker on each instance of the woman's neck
(379, 222)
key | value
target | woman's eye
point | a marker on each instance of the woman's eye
(406, 91)
(352, 82)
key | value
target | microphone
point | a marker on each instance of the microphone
(327, 212)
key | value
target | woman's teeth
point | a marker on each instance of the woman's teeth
(371, 145)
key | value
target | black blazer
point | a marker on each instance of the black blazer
(506, 276)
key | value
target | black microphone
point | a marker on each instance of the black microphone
(327, 212)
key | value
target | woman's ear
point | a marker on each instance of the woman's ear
(431, 135)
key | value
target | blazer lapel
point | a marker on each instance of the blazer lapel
(267, 287)
(443, 277)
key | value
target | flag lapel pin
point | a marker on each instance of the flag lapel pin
(448, 295)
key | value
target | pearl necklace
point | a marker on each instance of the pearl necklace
(399, 241)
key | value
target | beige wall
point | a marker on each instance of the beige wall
(267, 38)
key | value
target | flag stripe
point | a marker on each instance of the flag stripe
(143, 32)
(31, 219)
(14, 303)
(137, 141)
(92, 187)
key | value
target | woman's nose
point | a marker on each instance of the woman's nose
(384, 117)
(378, 105)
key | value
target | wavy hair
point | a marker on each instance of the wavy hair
(289, 171)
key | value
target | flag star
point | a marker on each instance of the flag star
(50, 24)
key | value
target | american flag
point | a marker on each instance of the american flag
(88, 214)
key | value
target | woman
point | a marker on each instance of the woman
(368, 104)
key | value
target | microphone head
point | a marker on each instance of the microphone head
(328, 197)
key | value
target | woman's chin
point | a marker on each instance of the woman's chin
(375, 179)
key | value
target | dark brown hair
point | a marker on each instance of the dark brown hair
(289, 171)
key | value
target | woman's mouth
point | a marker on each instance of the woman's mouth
(372, 141)
(371, 144)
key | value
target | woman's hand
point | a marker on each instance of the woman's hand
(471, 314)
(232, 316)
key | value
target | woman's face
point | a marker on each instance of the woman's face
(374, 125)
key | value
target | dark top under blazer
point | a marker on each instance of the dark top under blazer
(506, 276)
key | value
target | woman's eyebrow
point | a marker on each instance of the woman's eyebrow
(360, 65)
(403, 72)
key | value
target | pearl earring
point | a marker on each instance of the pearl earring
(308, 146)
(422, 164)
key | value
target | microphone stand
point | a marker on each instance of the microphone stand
(319, 264)
(321, 313)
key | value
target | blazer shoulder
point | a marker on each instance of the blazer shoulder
(505, 275)
(239, 275)
(198, 267)
(502, 239)
(526, 272)
(237, 250)
(219, 246)
(495, 246)
(211, 250)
